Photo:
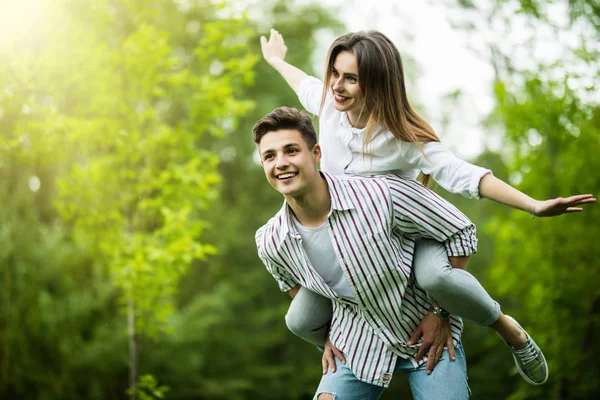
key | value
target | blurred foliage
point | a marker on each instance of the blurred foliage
(114, 116)
(545, 271)
(127, 172)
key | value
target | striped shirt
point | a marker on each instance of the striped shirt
(373, 225)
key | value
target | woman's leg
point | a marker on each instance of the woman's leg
(455, 289)
(309, 316)
(461, 294)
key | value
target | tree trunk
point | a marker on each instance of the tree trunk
(133, 356)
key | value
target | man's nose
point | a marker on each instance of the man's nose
(282, 162)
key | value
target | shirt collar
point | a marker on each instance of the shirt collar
(340, 201)
(345, 123)
(338, 190)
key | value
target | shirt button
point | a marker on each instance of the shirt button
(386, 378)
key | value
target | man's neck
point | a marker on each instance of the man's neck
(312, 208)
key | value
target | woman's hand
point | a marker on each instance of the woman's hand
(274, 49)
(561, 205)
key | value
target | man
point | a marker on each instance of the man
(351, 239)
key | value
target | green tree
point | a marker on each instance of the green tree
(547, 269)
(230, 334)
(555, 267)
(129, 111)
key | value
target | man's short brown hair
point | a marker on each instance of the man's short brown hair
(286, 118)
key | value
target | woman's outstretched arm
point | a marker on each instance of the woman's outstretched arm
(493, 188)
(274, 51)
(458, 176)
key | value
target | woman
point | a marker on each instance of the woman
(367, 126)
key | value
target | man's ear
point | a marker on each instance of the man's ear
(262, 164)
(317, 153)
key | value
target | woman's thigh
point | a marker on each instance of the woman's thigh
(430, 263)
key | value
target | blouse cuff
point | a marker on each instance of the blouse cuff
(475, 180)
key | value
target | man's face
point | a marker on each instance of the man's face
(290, 166)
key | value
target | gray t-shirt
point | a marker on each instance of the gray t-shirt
(318, 247)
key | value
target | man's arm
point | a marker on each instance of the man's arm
(294, 291)
(436, 332)
(274, 51)
(416, 209)
(286, 281)
(419, 210)
(459, 262)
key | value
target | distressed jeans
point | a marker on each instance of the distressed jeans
(448, 381)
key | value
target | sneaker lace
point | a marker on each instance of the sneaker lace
(527, 353)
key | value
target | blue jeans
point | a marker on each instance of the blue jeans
(448, 381)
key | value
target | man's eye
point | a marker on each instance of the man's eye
(292, 151)
(268, 157)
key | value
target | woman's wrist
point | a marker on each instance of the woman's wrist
(533, 208)
(276, 62)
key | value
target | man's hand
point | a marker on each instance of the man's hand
(274, 49)
(328, 359)
(436, 334)
(561, 205)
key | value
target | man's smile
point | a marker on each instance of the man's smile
(286, 176)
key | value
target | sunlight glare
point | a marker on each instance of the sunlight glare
(19, 18)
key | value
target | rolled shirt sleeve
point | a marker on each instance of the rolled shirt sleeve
(462, 243)
(284, 278)
(450, 172)
(419, 211)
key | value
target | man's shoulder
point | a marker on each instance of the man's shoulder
(397, 180)
(352, 190)
(379, 182)
(360, 180)
(270, 229)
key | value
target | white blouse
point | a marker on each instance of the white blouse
(342, 147)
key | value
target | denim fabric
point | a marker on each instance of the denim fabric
(448, 381)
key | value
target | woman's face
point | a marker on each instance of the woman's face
(344, 83)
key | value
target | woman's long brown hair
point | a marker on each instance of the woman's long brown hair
(381, 80)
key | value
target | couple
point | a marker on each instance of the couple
(367, 260)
